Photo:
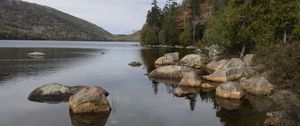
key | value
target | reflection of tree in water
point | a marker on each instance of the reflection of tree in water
(149, 55)
(193, 99)
(155, 87)
(246, 115)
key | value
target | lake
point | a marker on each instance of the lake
(135, 100)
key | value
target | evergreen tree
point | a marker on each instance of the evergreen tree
(153, 25)
(169, 34)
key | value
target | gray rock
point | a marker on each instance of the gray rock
(36, 54)
(248, 59)
(190, 47)
(214, 52)
(89, 100)
(194, 60)
(280, 118)
(208, 86)
(216, 65)
(135, 64)
(167, 59)
(224, 75)
(55, 92)
(257, 85)
(191, 79)
(230, 90)
(170, 72)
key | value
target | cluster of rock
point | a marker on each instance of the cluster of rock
(82, 99)
(232, 78)
(169, 46)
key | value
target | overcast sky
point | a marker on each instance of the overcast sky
(116, 16)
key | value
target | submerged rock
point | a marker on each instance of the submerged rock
(194, 60)
(135, 64)
(170, 72)
(280, 118)
(167, 59)
(55, 92)
(257, 85)
(89, 100)
(191, 79)
(230, 90)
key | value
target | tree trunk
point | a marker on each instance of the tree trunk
(284, 36)
(243, 50)
(209, 11)
(194, 33)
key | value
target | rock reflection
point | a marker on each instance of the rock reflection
(228, 104)
(97, 119)
(260, 103)
(246, 115)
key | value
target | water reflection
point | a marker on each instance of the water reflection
(97, 119)
(245, 112)
(15, 61)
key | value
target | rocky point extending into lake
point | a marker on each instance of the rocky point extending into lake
(234, 78)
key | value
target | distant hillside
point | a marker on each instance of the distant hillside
(24, 20)
(132, 37)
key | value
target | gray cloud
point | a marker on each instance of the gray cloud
(116, 16)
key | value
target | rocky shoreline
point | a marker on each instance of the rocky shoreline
(231, 79)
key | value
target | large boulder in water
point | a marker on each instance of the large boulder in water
(89, 100)
(191, 80)
(216, 65)
(257, 85)
(55, 92)
(225, 70)
(194, 60)
(225, 64)
(230, 90)
(167, 59)
(170, 72)
(224, 75)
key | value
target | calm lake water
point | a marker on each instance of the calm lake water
(135, 100)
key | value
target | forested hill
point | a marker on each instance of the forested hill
(24, 20)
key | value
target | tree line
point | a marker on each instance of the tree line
(268, 28)
(175, 24)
